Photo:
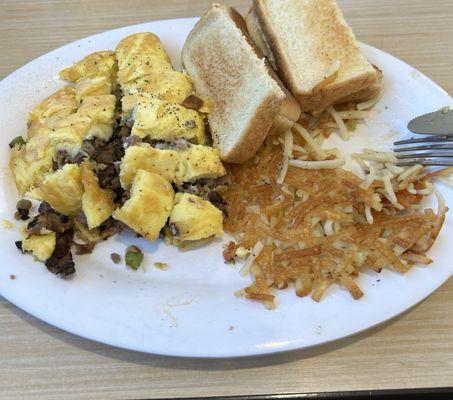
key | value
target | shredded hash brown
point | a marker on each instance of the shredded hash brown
(324, 226)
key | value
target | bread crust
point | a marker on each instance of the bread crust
(369, 92)
(313, 100)
(290, 109)
(271, 107)
(255, 134)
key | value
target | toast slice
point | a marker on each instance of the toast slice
(248, 100)
(307, 39)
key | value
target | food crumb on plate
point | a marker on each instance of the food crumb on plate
(133, 257)
(12, 277)
(7, 224)
(231, 328)
(161, 265)
(116, 258)
(242, 252)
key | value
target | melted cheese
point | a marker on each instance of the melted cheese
(195, 218)
(149, 206)
(63, 190)
(42, 246)
(147, 158)
(199, 162)
(97, 203)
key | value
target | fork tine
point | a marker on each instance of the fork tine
(425, 140)
(424, 147)
(425, 162)
(428, 151)
(424, 155)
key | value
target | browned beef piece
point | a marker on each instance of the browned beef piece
(208, 189)
(48, 219)
(61, 262)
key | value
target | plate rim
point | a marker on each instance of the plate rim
(252, 352)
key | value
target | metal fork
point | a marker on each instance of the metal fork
(435, 148)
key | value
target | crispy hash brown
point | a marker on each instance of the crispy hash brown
(324, 226)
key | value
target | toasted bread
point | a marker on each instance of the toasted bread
(248, 100)
(307, 38)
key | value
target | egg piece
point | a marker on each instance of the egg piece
(42, 246)
(31, 162)
(140, 54)
(160, 120)
(92, 86)
(147, 158)
(63, 189)
(97, 203)
(101, 111)
(194, 218)
(95, 118)
(149, 205)
(100, 63)
(168, 85)
(199, 162)
(61, 103)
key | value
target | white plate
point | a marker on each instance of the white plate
(190, 310)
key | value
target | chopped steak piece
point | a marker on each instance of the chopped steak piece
(111, 152)
(110, 228)
(122, 132)
(193, 102)
(86, 248)
(131, 141)
(50, 220)
(44, 207)
(23, 209)
(175, 144)
(109, 179)
(216, 198)
(18, 244)
(82, 219)
(90, 146)
(208, 189)
(61, 262)
(63, 158)
(229, 254)
(23, 204)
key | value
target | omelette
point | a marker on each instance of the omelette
(122, 144)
